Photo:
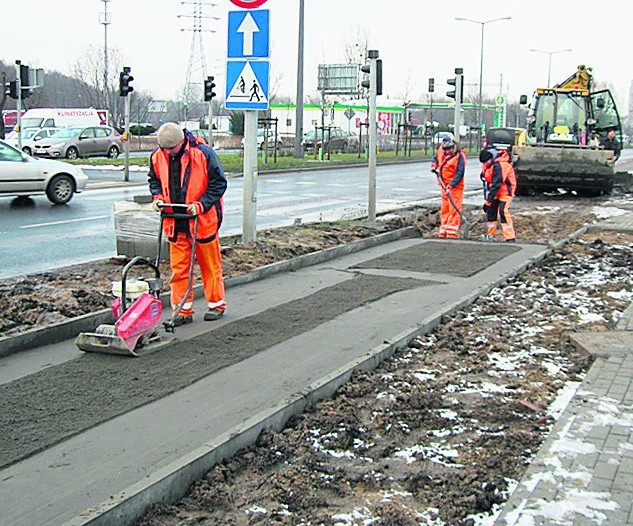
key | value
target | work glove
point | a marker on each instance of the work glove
(434, 168)
(448, 189)
(157, 204)
(487, 205)
(195, 208)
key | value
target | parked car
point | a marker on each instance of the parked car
(23, 175)
(439, 136)
(336, 140)
(29, 137)
(74, 142)
(271, 140)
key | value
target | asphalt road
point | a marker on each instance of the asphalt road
(39, 236)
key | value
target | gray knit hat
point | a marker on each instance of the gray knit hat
(170, 135)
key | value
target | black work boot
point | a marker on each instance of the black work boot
(213, 314)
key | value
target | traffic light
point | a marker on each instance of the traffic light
(12, 89)
(431, 85)
(25, 81)
(458, 82)
(367, 69)
(208, 89)
(124, 82)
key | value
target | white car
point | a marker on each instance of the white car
(271, 140)
(439, 136)
(23, 175)
(29, 137)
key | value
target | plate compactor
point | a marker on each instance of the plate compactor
(135, 330)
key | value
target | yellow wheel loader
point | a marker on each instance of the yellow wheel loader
(562, 149)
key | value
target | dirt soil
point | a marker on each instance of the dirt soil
(441, 433)
(437, 435)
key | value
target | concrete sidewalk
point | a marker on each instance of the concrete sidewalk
(156, 450)
(583, 474)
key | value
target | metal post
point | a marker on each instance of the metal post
(481, 66)
(105, 21)
(211, 123)
(18, 83)
(126, 146)
(459, 86)
(299, 105)
(549, 62)
(481, 84)
(373, 139)
(549, 71)
(249, 212)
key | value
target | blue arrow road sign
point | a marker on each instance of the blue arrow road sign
(247, 84)
(249, 34)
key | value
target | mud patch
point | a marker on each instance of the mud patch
(52, 405)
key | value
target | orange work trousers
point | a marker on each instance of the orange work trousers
(449, 217)
(209, 260)
(500, 214)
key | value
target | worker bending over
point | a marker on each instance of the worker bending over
(500, 184)
(184, 171)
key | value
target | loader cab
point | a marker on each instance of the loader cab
(559, 117)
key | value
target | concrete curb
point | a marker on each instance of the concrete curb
(88, 322)
(172, 483)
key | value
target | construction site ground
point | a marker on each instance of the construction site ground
(484, 364)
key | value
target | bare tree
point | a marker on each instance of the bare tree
(356, 46)
(90, 69)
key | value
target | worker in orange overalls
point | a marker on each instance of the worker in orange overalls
(500, 186)
(449, 165)
(186, 171)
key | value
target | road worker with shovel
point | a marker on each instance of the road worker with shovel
(449, 165)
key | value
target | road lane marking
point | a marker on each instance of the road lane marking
(52, 223)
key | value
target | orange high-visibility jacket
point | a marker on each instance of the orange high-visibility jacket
(202, 180)
(500, 178)
(450, 166)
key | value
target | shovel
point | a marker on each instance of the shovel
(464, 225)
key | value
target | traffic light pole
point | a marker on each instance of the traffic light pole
(459, 86)
(211, 123)
(373, 139)
(208, 97)
(18, 102)
(126, 145)
(249, 202)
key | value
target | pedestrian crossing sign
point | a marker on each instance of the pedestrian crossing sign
(247, 84)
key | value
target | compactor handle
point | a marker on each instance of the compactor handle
(176, 215)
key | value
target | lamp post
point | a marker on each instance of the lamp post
(549, 66)
(481, 64)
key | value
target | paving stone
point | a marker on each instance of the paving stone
(605, 470)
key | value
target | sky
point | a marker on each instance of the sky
(416, 39)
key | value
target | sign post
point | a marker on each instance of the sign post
(247, 88)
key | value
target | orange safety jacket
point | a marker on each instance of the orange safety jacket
(451, 167)
(203, 182)
(500, 178)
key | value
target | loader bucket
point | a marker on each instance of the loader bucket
(552, 166)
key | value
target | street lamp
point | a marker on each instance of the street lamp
(481, 62)
(549, 67)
